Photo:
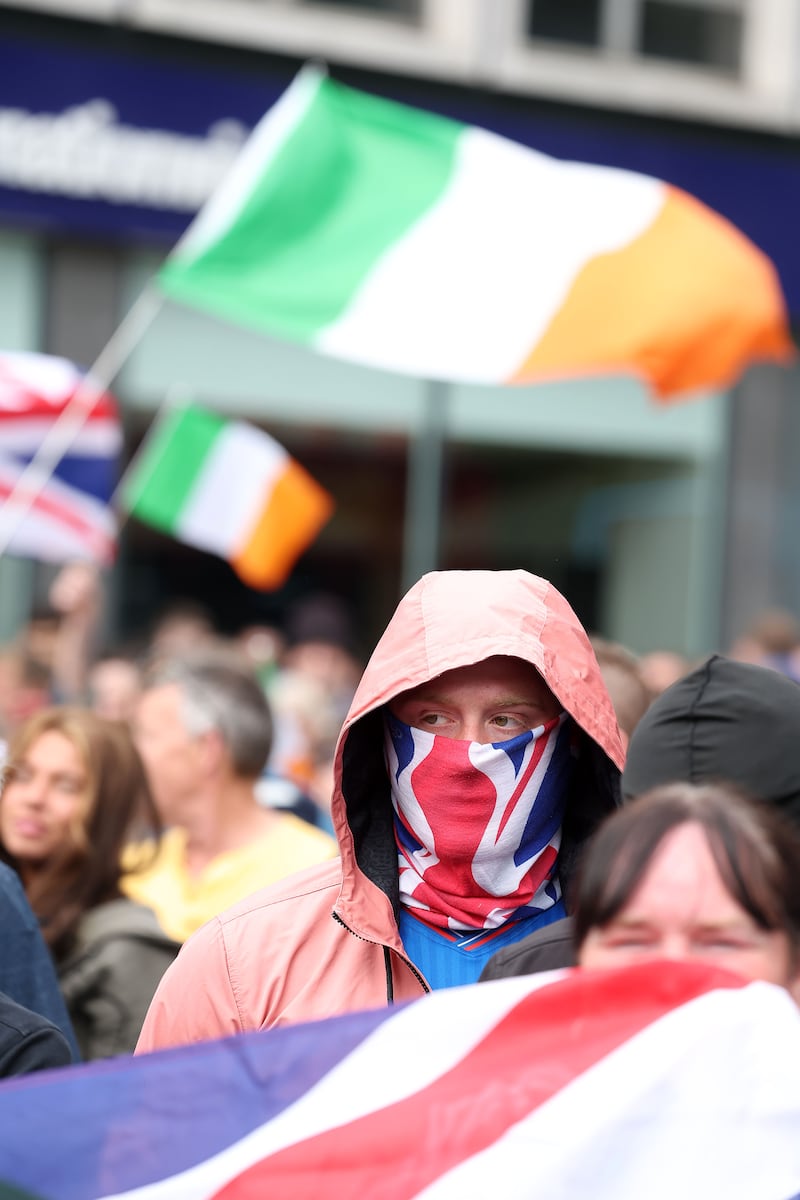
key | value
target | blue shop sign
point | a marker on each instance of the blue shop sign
(110, 144)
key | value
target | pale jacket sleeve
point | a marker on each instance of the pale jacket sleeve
(195, 1000)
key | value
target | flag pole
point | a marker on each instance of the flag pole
(75, 413)
(424, 481)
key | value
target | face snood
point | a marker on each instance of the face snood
(478, 827)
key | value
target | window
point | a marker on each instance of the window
(692, 33)
(575, 21)
(402, 8)
(705, 33)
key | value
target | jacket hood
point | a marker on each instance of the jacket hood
(725, 720)
(453, 619)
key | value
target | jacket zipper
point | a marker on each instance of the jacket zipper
(425, 986)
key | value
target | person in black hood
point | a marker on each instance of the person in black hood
(725, 721)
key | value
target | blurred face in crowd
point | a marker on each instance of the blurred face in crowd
(682, 909)
(333, 666)
(490, 701)
(45, 801)
(172, 757)
(115, 686)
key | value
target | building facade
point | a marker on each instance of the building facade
(666, 526)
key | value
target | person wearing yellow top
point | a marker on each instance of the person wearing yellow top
(203, 728)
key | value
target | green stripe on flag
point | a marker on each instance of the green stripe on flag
(354, 174)
(167, 468)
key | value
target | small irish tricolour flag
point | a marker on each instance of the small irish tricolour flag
(229, 488)
(394, 237)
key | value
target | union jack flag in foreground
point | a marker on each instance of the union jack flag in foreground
(69, 516)
(654, 1081)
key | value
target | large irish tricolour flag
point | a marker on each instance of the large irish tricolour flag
(655, 1082)
(400, 239)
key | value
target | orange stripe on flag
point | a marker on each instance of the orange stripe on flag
(295, 510)
(687, 304)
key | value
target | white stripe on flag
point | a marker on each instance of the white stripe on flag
(516, 254)
(49, 376)
(99, 437)
(232, 489)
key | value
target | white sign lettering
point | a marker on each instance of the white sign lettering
(86, 153)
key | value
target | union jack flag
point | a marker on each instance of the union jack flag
(507, 813)
(644, 1083)
(69, 516)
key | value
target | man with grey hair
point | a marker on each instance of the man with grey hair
(204, 730)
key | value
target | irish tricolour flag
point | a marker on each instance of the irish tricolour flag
(229, 488)
(400, 239)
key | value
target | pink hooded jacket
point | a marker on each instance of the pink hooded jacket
(325, 940)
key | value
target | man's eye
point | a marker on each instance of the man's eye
(507, 721)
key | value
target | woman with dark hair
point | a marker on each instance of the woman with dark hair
(74, 792)
(693, 872)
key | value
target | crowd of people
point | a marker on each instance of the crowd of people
(214, 835)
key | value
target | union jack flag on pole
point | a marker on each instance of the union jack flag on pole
(652, 1082)
(66, 514)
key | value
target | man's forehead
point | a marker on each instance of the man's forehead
(501, 672)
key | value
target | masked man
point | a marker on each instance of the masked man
(479, 752)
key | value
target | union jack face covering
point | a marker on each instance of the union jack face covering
(478, 827)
